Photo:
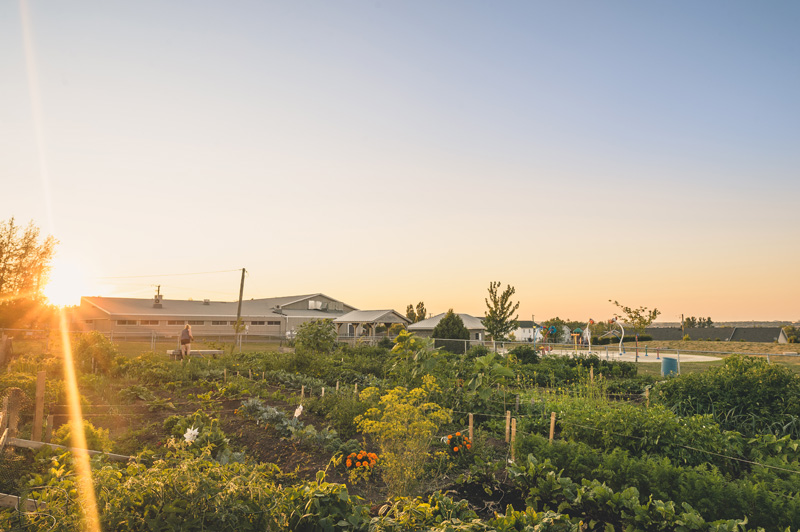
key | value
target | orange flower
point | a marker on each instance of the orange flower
(349, 463)
(469, 446)
(458, 434)
(358, 464)
(449, 436)
(455, 449)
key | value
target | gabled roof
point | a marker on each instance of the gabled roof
(274, 302)
(251, 308)
(526, 324)
(470, 322)
(757, 334)
(372, 316)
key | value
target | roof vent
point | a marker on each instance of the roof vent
(157, 301)
(206, 301)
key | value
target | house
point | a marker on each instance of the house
(268, 316)
(525, 331)
(425, 328)
(366, 322)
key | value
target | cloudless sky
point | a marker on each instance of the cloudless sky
(385, 153)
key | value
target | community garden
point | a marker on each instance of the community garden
(403, 436)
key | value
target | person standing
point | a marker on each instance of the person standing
(186, 341)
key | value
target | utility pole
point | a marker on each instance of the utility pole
(239, 310)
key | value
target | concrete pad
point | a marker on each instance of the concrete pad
(630, 356)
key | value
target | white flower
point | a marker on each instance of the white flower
(298, 411)
(191, 434)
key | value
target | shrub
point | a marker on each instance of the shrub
(96, 438)
(403, 424)
(95, 351)
(526, 354)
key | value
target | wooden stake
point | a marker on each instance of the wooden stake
(513, 436)
(48, 432)
(302, 392)
(471, 429)
(38, 415)
(647, 396)
(251, 374)
(508, 425)
(225, 374)
(337, 386)
(517, 403)
(323, 392)
(552, 426)
(591, 373)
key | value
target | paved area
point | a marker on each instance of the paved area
(630, 355)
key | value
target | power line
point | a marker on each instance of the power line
(166, 274)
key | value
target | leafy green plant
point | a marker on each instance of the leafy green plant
(96, 438)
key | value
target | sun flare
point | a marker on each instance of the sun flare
(68, 282)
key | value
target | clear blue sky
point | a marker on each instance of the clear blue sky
(391, 152)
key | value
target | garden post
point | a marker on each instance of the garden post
(323, 392)
(552, 426)
(48, 432)
(225, 374)
(356, 391)
(471, 429)
(508, 424)
(302, 391)
(591, 373)
(38, 415)
(337, 386)
(513, 436)
(647, 396)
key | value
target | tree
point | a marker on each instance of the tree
(451, 327)
(316, 337)
(24, 266)
(500, 319)
(638, 318)
(418, 314)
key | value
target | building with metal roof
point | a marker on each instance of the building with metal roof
(267, 316)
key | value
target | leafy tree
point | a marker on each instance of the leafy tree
(317, 336)
(500, 320)
(559, 324)
(638, 318)
(451, 327)
(792, 334)
(24, 266)
(416, 314)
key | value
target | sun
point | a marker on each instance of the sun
(68, 283)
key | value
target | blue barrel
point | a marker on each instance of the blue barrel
(669, 365)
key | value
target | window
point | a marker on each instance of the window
(257, 323)
(215, 322)
(196, 322)
(477, 336)
(89, 322)
(148, 322)
(273, 323)
(126, 322)
(176, 322)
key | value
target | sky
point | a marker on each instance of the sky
(385, 153)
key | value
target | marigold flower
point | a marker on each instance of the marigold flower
(349, 463)
(358, 464)
(455, 449)
(449, 436)
(469, 446)
(458, 434)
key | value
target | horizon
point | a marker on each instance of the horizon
(396, 153)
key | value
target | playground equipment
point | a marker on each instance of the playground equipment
(587, 334)
(614, 332)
